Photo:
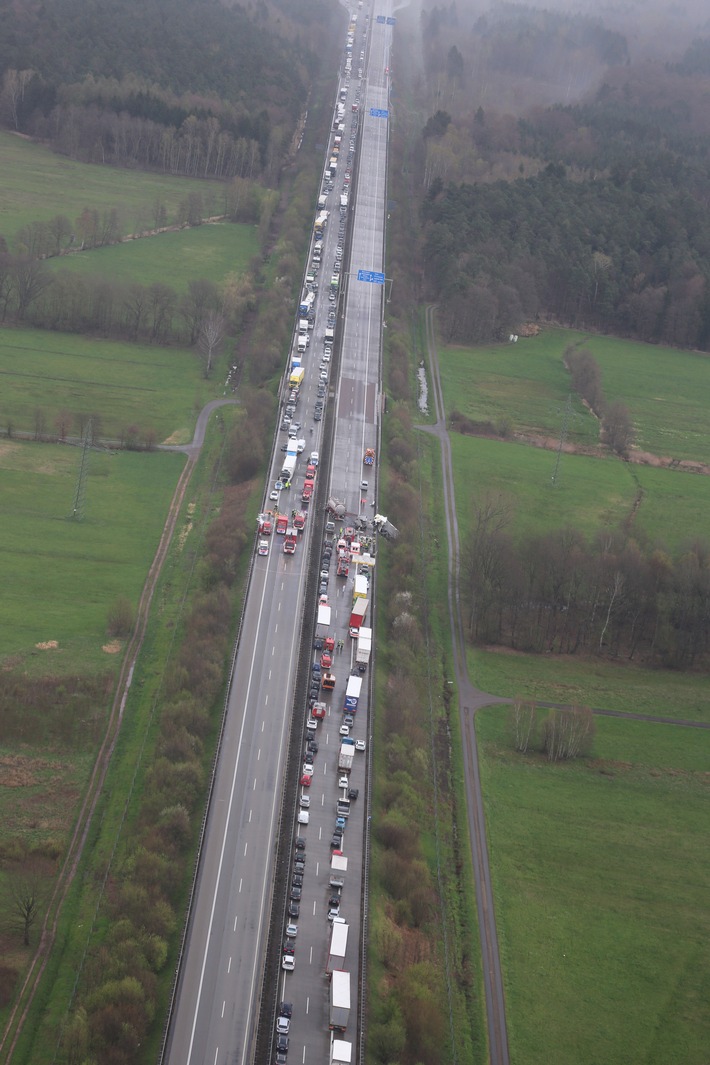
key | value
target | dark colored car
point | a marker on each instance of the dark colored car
(286, 1009)
(294, 910)
(318, 643)
(296, 893)
(313, 746)
(297, 881)
(299, 865)
(353, 793)
(282, 1043)
(336, 841)
(289, 946)
(300, 843)
(317, 416)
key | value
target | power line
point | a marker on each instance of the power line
(77, 511)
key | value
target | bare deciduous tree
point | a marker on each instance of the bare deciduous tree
(210, 338)
(24, 900)
(618, 429)
(568, 733)
(522, 722)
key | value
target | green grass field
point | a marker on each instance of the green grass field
(125, 384)
(60, 577)
(602, 875)
(209, 251)
(37, 185)
(667, 391)
(621, 685)
(590, 493)
(524, 384)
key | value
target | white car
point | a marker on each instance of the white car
(323, 375)
(291, 932)
(307, 769)
(288, 963)
(304, 802)
(343, 782)
(303, 817)
(283, 1024)
(364, 485)
(312, 725)
(263, 547)
(314, 458)
(345, 730)
(360, 745)
(274, 495)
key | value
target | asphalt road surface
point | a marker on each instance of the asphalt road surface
(218, 994)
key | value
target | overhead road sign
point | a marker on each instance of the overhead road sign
(372, 276)
(379, 112)
(391, 21)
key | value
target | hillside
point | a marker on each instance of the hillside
(126, 82)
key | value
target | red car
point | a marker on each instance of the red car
(306, 780)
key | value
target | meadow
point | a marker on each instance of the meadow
(210, 251)
(590, 494)
(601, 875)
(597, 682)
(37, 185)
(526, 386)
(60, 577)
(523, 385)
(152, 387)
(667, 392)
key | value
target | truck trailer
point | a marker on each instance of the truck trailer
(339, 1000)
(338, 946)
(345, 758)
(288, 468)
(364, 647)
(352, 694)
(341, 1052)
(358, 615)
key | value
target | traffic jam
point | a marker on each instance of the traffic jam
(335, 724)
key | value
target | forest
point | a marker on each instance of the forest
(127, 83)
(590, 213)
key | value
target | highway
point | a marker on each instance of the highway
(218, 997)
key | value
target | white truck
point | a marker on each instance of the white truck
(288, 468)
(338, 946)
(364, 647)
(341, 1052)
(339, 1000)
(345, 758)
(338, 866)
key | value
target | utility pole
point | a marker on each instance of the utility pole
(77, 511)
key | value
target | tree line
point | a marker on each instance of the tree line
(197, 148)
(564, 593)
